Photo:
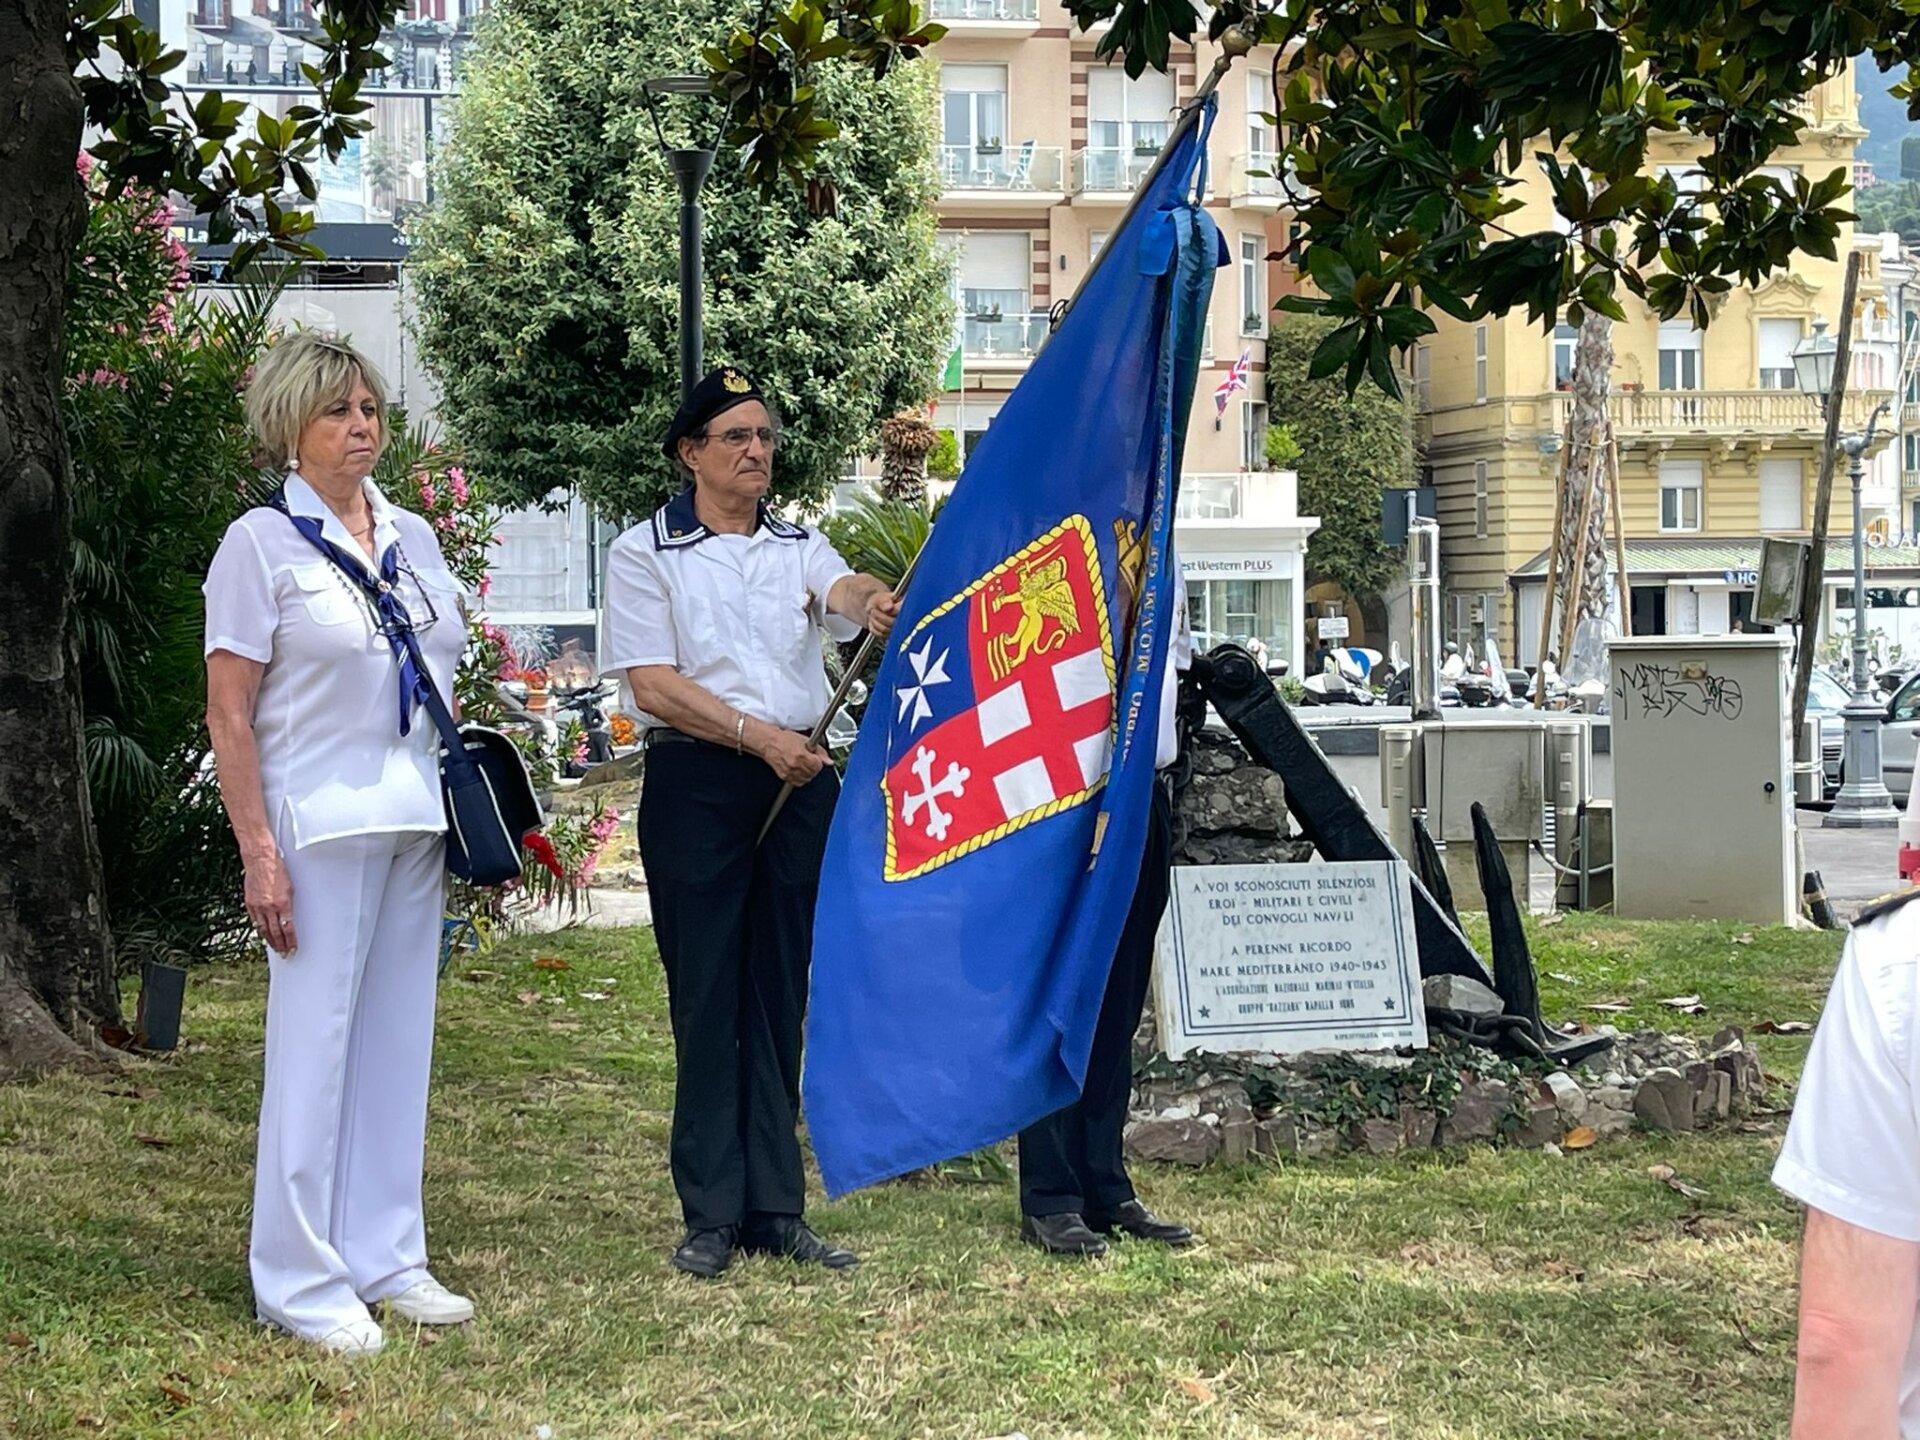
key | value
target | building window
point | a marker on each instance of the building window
(973, 119)
(1480, 505)
(1680, 486)
(1777, 339)
(1566, 345)
(1242, 610)
(1127, 123)
(1260, 135)
(1912, 457)
(1253, 434)
(994, 271)
(1680, 356)
(1096, 242)
(1480, 362)
(1253, 282)
(1423, 379)
(1782, 503)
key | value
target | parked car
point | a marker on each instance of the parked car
(1826, 698)
(1897, 739)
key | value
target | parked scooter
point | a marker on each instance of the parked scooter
(586, 704)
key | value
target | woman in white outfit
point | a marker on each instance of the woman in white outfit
(330, 778)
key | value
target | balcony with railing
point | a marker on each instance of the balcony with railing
(1239, 498)
(1721, 413)
(987, 19)
(1910, 480)
(1110, 173)
(210, 14)
(1002, 339)
(294, 15)
(1013, 174)
(1253, 181)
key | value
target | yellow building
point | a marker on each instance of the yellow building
(1042, 146)
(1716, 445)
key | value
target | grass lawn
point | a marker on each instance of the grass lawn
(1452, 1294)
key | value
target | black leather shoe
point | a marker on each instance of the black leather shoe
(791, 1238)
(1061, 1235)
(1136, 1220)
(706, 1253)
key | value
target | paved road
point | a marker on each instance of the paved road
(1855, 865)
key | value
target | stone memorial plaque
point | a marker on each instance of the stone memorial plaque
(1287, 958)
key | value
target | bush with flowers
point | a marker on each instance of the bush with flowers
(162, 464)
(559, 865)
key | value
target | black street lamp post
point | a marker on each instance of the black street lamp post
(690, 165)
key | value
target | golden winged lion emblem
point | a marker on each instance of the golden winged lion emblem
(1044, 593)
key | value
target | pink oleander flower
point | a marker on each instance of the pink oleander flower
(443, 523)
(457, 482)
(427, 495)
(580, 750)
(486, 585)
(104, 376)
(83, 162)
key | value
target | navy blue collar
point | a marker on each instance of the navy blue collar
(676, 525)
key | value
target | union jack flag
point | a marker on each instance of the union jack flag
(1236, 380)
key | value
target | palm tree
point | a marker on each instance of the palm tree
(904, 443)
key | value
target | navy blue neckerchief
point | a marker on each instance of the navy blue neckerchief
(394, 623)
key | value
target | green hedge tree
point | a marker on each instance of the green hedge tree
(549, 267)
(1351, 449)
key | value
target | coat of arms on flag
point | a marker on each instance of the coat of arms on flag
(1004, 707)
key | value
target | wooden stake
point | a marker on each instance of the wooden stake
(1813, 592)
(1619, 533)
(1553, 566)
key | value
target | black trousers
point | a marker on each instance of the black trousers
(734, 921)
(1071, 1161)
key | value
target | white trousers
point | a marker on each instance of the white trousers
(337, 1221)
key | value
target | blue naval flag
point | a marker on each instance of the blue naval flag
(991, 826)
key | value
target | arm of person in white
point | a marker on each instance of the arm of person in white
(1852, 1154)
(241, 618)
(1857, 1295)
(851, 602)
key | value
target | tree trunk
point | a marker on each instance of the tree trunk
(1586, 593)
(57, 980)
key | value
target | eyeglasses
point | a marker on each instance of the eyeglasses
(741, 435)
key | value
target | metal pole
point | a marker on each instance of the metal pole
(1863, 802)
(690, 167)
(1423, 568)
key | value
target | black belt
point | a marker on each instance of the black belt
(666, 735)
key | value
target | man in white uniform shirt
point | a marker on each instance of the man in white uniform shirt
(1074, 1188)
(714, 613)
(1852, 1154)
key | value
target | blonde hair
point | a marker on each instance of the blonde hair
(302, 373)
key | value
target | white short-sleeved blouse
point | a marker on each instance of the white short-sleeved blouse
(327, 719)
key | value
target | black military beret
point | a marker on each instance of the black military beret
(715, 395)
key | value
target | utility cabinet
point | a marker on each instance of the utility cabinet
(1702, 778)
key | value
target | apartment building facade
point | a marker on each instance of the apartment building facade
(1717, 447)
(1042, 145)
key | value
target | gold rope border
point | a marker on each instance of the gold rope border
(1080, 526)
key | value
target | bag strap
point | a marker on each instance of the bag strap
(416, 681)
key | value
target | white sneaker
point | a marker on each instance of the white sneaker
(356, 1337)
(431, 1303)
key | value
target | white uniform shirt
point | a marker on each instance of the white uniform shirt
(1853, 1146)
(327, 720)
(1179, 659)
(739, 615)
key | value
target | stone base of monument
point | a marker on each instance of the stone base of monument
(1225, 1109)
